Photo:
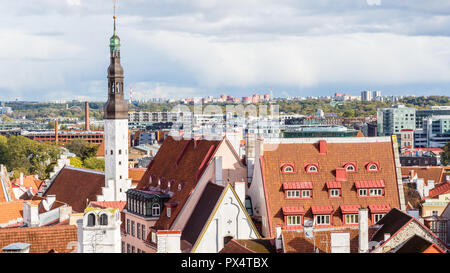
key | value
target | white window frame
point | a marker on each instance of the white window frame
(294, 220)
(293, 194)
(350, 166)
(306, 195)
(322, 219)
(156, 207)
(376, 192)
(333, 192)
(288, 169)
(362, 190)
(351, 218)
(313, 171)
(373, 165)
(377, 217)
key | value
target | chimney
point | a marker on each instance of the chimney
(21, 179)
(363, 219)
(426, 191)
(49, 201)
(341, 175)
(278, 239)
(64, 213)
(86, 109)
(218, 167)
(30, 214)
(323, 147)
(169, 241)
(387, 236)
(430, 184)
(56, 131)
(239, 188)
(420, 187)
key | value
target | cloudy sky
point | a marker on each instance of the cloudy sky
(58, 49)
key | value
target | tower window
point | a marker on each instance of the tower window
(104, 219)
(120, 152)
(91, 220)
(111, 152)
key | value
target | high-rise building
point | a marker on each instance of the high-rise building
(392, 120)
(366, 95)
(116, 128)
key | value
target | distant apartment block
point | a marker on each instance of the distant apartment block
(392, 120)
(435, 132)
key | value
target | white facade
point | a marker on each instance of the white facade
(116, 160)
(99, 236)
(228, 220)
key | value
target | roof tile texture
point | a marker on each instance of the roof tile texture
(338, 154)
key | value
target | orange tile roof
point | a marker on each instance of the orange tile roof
(350, 208)
(334, 185)
(369, 184)
(379, 208)
(293, 210)
(120, 205)
(427, 173)
(297, 185)
(438, 190)
(29, 181)
(338, 154)
(182, 161)
(322, 209)
(11, 211)
(136, 174)
(61, 238)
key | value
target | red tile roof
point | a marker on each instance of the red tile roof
(322, 209)
(426, 173)
(5, 186)
(379, 208)
(29, 181)
(77, 187)
(438, 190)
(350, 208)
(368, 184)
(357, 150)
(136, 174)
(61, 238)
(293, 210)
(120, 205)
(249, 246)
(297, 185)
(192, 162)
(334, 185)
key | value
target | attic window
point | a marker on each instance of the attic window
(311, 168)
(287, 168)
(350, 167)
(372, 167)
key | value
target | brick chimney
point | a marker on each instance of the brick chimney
(56, 131)
(363, 240)
(341, 174)
(323, 147)
(86, 111)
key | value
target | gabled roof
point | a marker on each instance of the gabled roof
(301, 152)
(136, 174)
(438, 190)
(202, 212)
(391, 223)
(120, 205)
(178, 161)
(10, 211)
(417, 244)
(77, 187)
(426, 173)
(29, 181)
(249, 246)
(6, 192)
(60, 238)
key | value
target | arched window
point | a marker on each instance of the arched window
(156, 209)
(312, 169)
(287, 168)
(104, 219)
(350, 167)
(372, 167)
(91, 220)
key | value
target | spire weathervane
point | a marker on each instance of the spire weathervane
(114, 16)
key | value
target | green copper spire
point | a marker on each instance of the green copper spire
(114, 42)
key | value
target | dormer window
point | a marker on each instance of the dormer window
(156, 209)
(350, 167)
(372, 167)
(312, 168)
(287, 168)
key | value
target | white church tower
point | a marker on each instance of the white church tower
(116, 129)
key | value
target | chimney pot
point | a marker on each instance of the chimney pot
(21, 179)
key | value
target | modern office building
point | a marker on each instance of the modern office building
(392, 120)
(435, 132)
(433, 111)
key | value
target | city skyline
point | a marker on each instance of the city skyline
(56, 49)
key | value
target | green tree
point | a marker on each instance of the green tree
(445, 155)
(94, 163)
(76, 162)
(82, 148)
